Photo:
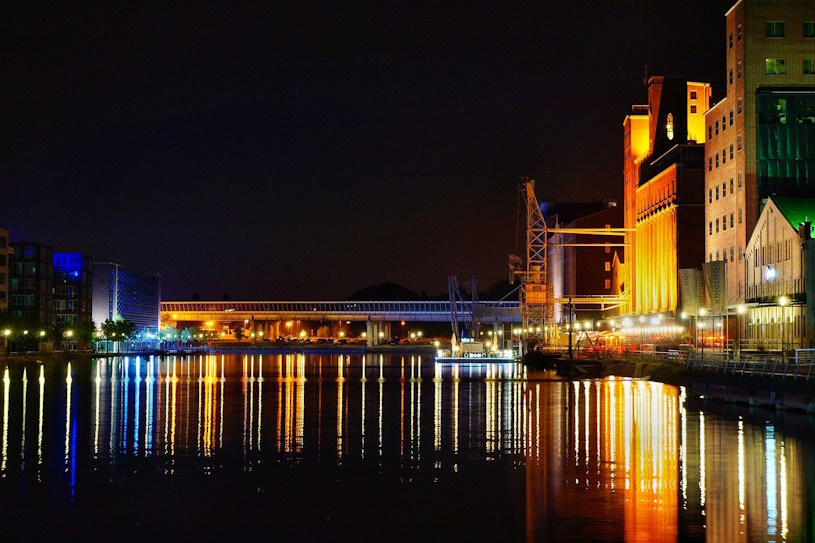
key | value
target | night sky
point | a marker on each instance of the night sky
(306, 152)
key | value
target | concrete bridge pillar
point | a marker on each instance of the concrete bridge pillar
(375, 329)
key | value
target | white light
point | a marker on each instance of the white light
(770, 273)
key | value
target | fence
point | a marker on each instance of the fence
(800, 365)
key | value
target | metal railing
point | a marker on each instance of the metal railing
(800, 365)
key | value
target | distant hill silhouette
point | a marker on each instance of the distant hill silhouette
(394, 292)
(385, 292)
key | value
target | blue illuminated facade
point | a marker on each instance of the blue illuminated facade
(73, 288)
(123, 292)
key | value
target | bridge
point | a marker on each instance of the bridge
(267, 317)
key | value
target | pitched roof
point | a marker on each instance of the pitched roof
(796, 210)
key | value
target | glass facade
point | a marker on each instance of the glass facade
(785, 143)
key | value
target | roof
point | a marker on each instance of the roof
(796, 210)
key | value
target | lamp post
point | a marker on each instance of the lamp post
(702, 313)
(740, 310)
(783, 301)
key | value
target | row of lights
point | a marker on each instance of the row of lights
(7, 333)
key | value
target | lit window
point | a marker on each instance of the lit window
(775, 66)
(693, 109)
(693, 95)
(607, 284)
(608, 248)
(775, 29)
(608, 266)
(670, 126)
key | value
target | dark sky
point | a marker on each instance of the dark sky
(305, 152)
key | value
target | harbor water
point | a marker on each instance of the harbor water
(386, 447)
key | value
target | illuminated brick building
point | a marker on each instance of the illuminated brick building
(779, 270)
(663, 191)
(761, 136)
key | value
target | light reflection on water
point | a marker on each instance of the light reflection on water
(598, 460)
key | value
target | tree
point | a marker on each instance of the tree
(118, 329)
(239, 333)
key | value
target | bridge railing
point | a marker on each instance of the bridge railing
(798, 365)
(319, 307)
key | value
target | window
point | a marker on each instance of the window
(731, 153)
(731, 185)
(809, 66)
(608, 266)
(741, 252)
(710, 259)
(693, 109)
(717, 231)
(710, 132)
(739, 215)
(730, 76)
(724, 223)
(739, 184)
(607, 284)
(731, 219)
(724, 156)
(710, 196)
(710, 163)
(724, 123)
(717, 254)
(739, 142)
(717, 128)
(738, 70)
(717, 193)
(731, 118)
(608, 248)
(710, 228)
(693, 95)
(738, 33)
(739, 106)
(775, 66)
(732, 253)
(809, 29)
(775, 29)
(724, 190)
(717, 161)
(730, 41)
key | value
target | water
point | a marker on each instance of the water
(386, 448)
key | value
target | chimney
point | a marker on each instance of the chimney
(805, 230)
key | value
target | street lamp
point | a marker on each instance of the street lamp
(783, 301)
(740, 310)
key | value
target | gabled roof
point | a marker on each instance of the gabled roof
(796, 210)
